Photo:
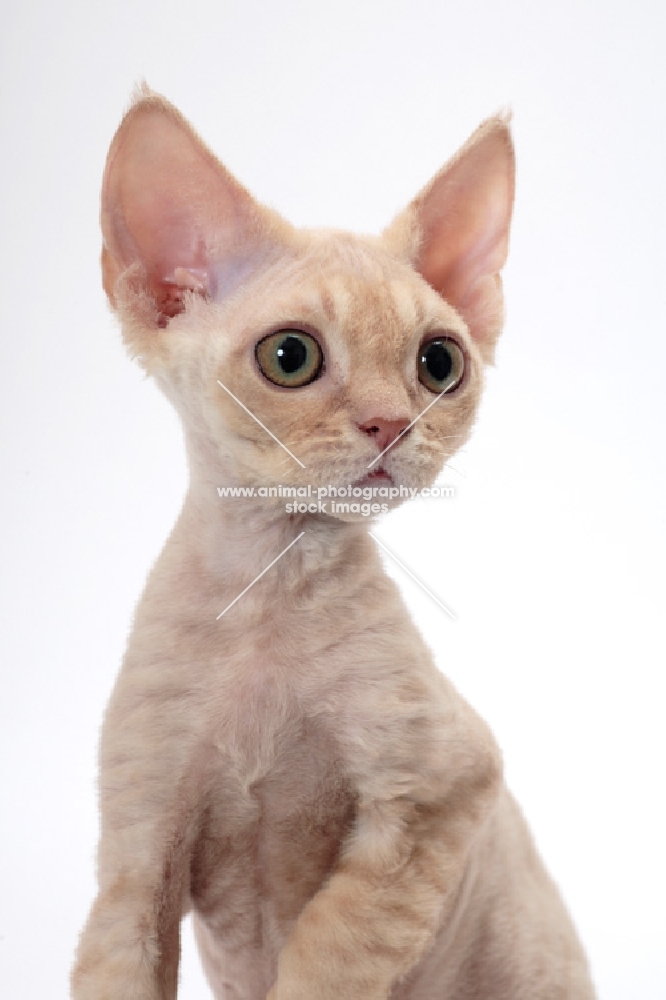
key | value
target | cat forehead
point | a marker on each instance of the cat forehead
(350, 283)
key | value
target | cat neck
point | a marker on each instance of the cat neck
(230, 525)
(228, 541)
(235, 539)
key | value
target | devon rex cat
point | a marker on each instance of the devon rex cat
(291, 766)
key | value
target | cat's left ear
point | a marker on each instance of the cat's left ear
(456, 231)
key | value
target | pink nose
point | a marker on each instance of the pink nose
(383, 431)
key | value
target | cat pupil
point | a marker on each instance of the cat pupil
(439, 361)
(291, 353)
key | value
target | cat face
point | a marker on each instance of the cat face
(362, 356)
(358, 325)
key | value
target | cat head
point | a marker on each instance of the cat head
(336, 344)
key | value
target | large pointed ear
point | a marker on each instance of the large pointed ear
(172, 213)
(456, 231)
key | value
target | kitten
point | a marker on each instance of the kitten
(290, 765)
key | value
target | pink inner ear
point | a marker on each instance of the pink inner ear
(170, 206)
(169, 291)
(172, 251)
(460, 249)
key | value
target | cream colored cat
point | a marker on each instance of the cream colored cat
(295, 770)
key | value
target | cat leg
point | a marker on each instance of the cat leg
(150, 798)
(130, 946)
(394, 886)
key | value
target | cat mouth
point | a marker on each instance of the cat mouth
(377, 475)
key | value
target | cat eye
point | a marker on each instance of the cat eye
(441, 365)
(290, 358)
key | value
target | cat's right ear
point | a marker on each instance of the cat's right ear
(173, 218)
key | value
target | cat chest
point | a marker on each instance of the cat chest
(278, 810)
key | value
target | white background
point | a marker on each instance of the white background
(552, 553)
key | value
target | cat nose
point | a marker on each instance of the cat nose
(383, 431)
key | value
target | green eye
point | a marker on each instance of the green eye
(441, 365)
(290, 358)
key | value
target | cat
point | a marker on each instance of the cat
(280, 754)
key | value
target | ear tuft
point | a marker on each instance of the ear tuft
(456, 231)
(142, 92)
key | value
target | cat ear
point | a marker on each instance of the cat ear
(173, 213)
(456, 231)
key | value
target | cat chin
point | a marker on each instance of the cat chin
(367, 511)
(356, 518)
